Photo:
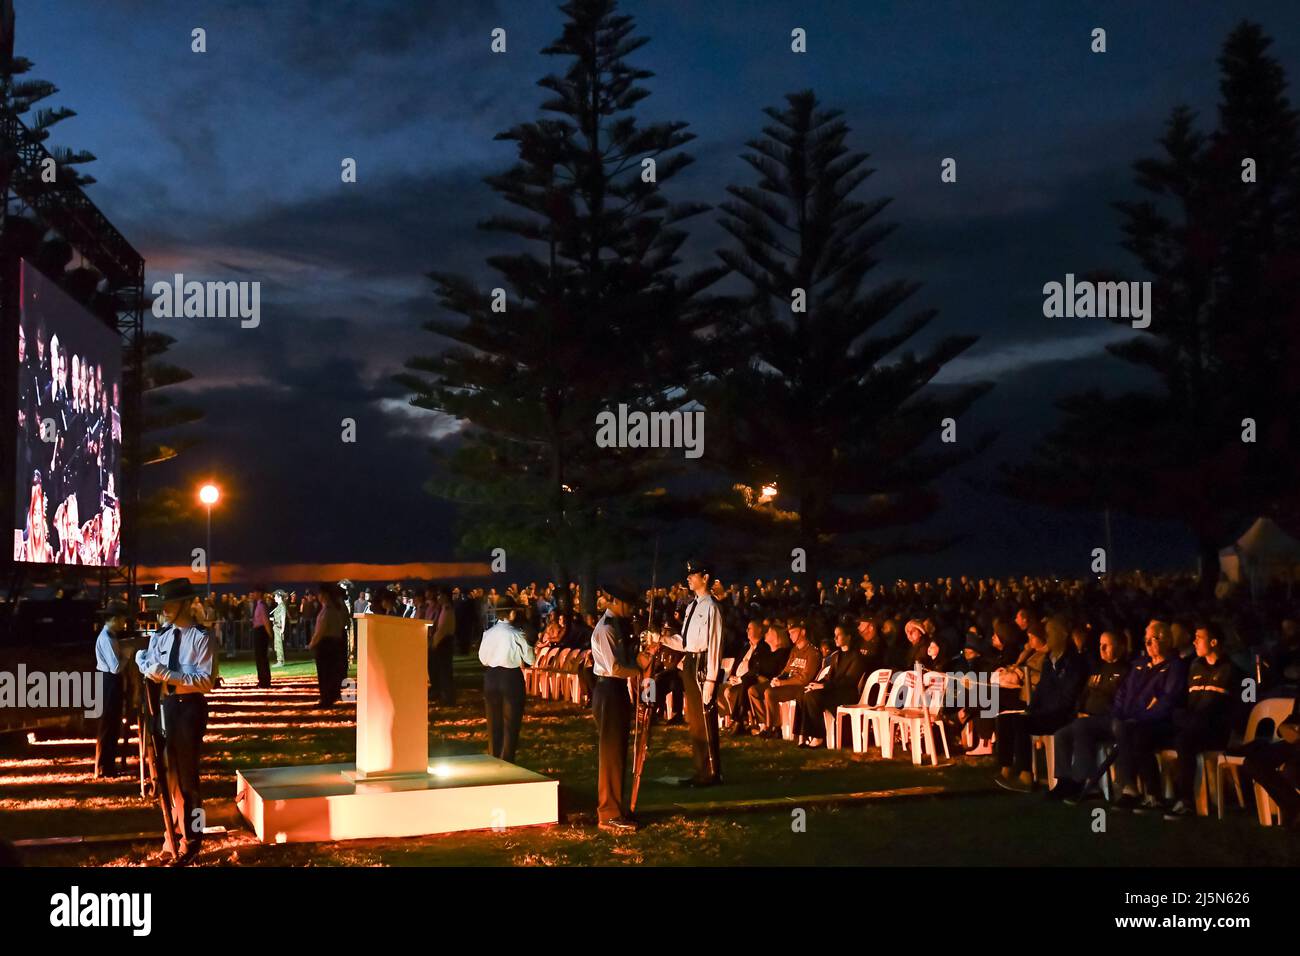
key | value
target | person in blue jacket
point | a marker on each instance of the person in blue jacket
(1143, 717)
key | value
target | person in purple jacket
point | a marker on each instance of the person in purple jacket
(1143, 717)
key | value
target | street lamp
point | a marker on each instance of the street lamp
(209, 494)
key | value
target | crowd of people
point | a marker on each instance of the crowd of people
(1113, 670)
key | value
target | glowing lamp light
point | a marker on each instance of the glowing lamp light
(440, 770)
(209, 494)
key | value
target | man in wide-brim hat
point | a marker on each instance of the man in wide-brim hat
(179, 658)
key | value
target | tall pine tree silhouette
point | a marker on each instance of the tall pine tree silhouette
(1222, 250)
(820, 400)
(594, 314)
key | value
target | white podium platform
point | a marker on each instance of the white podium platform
(393, 789)
(328, 802)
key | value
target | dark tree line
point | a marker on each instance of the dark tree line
(1219, 239)
(807, 370)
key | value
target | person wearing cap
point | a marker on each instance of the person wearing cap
(504, 652)
(179, 657)
(108, 662)
(611, 706)
(279, 614)
(701, 639)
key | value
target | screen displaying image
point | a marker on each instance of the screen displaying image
(69, 430)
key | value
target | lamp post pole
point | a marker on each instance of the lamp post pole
(209, 561)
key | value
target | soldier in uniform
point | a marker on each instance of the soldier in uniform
(701, 639)
(612, 707)
(179, 657)
(279, 616)
(108, 661)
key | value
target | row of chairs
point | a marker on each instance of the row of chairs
(905, 709)
(555, 675)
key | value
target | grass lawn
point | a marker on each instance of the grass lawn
(45, 790)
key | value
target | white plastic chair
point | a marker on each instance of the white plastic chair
(874, 694)
(916, 724)
(788, 709)
(1276, 709)
(904, 694)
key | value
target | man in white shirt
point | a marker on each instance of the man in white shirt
(179, 657)
(612, 707)
(108, 662)
(503, 652)
(701, 639)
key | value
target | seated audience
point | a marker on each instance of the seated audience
(800, 666)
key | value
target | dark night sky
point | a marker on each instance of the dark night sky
(226, 165)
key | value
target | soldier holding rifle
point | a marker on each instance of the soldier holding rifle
(612, 707)
(701, 641)
(179, 660)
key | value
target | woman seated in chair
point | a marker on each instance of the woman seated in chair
(838, 682)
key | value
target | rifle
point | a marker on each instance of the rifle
(644, 712)
(662, 660)
(152, 749)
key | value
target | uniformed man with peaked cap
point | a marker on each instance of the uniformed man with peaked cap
(701, 639)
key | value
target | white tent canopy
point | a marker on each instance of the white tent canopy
(1264, 553)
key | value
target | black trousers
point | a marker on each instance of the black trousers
(700, 724)
(612, 708)
(1275, 766)
(1014, 746)
(442, 686)
(331, 655)
(1198, 732)
(503, 696)
(261, 654)
(1137, 742)
(817, 703)
(110, 726)
(184, 720)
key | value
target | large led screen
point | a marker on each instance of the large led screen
(69, 430)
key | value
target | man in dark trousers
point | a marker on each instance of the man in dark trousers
(261, 637)
(179, 657)
(442, 641)
(1205, 723)
(504, 651)
(108, 663)
(701, 639)
(612, 707)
